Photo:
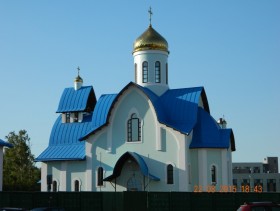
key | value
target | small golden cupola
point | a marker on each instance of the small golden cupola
(150, 52)
(78, 82)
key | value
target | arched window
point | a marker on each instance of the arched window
(213, 175)
(133, 129)
(145, 72)
(100, 176)
(135, 70)
(157, 72)
(166, 73)
(76, 186)
(54, 186)
(170, 174)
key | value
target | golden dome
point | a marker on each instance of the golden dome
(150, 40)
(78, 79)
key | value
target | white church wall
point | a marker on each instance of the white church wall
(76, 171)
(229, 165)
(100, 158)
(194, 182)
(64, 173)
(54, 169)
(214, 158)
(156, 160)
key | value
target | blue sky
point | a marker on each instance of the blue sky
(231, 47)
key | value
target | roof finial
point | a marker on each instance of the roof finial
(78, 68)
(78, 82)
(150, 14)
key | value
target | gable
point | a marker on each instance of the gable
(176, 108)
(118, 106)
(73, 100)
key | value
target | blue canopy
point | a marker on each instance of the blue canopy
(5, 144)
(138, 159)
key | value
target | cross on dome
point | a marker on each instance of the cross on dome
(78, 78)
(150, 14)
(78, 68)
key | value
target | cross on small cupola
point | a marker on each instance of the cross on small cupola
(78, 82)
(150, 15)
(78, 68)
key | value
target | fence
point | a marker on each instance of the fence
(134, 201)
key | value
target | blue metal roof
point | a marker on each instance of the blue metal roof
(63, 152)
(64, 141)
(102, 108)
(176, 108)
(138, 159)
(5, 144)
(77, 100)
(101, 112)
(208, 134)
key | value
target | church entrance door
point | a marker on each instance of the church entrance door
(134, 184)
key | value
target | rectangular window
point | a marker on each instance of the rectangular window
(157, 72)
(75, 117)
(67, 117)
(271, 185)
(213, 175)
(100, 176)
(133, 129)
(145, 72)
(234, 182)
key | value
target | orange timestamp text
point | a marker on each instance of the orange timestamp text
(227, 189)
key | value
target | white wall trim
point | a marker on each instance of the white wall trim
(63, 177)
(88, 166)
(44, 174)
(224, 167)
(202, 168)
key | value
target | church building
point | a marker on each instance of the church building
(2, 145)
(147, 137)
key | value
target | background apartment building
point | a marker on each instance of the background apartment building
(257, 177)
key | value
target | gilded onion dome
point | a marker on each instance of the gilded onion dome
(150, 40)
(78, 79)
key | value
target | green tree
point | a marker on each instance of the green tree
(19, 170)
